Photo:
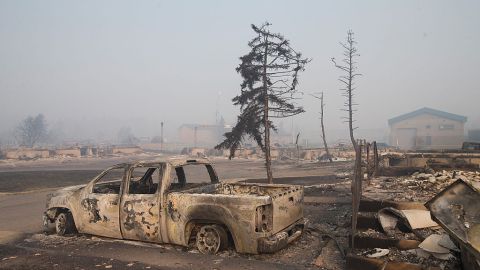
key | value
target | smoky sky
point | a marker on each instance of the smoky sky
(93, 67)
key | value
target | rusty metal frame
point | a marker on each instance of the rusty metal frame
(462, 194)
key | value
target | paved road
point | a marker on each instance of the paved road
(21, 213)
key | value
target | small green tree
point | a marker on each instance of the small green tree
(270, 78)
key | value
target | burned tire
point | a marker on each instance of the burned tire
(64, 223)
(211, 238)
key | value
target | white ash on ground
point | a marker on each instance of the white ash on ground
(418, 187)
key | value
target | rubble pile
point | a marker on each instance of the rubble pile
(436, 249)
(405, 232)
(420, 186)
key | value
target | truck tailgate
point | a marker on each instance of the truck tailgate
(287, 207)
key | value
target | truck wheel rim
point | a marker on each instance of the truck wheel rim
(208, 240)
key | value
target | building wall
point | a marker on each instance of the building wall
(429, 132)
(71, 152)
(474, 135)
(26, 153)
(126, 150)
(88, 151)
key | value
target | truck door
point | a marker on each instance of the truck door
(140, 204)
(99, 204)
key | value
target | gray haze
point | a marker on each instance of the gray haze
(93, 67)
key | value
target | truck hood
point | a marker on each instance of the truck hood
(59, 198)
(68, 190)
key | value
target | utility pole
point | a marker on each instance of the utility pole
(161, 136)
(298, 149)
(217, 111)
(195, 136)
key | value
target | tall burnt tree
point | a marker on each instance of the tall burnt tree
(322, 125)
(270, 79)
(349, 68)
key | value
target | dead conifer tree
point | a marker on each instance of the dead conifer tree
(349, 67)
(322, 106)
(270, 79)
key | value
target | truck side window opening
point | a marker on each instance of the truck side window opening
(189, 176)
(180, 176)
(212, 174)
(110, 182)
(144, 180)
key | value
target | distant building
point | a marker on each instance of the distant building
(88, 151)
(474, 135)
(126, 150)
(201, 135)
(67, 152)
(26, 153)
(426, 129)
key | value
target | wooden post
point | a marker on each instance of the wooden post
(367, 148)
(375, 159)
(161, 137)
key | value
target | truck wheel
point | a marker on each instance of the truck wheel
(64, 224)
(211, 238)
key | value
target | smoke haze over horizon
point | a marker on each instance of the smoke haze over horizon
(94, 67)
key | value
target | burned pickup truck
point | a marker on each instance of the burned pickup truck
(169, 202)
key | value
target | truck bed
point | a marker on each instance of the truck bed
(273, 190)
(287, 200)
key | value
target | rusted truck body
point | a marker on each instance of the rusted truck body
(159, 202)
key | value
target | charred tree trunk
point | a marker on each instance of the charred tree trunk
(348, 66)
(356, 191)
(350, 69)
(350, 105)
(323, 129)
(268, 158)
(322, 106)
